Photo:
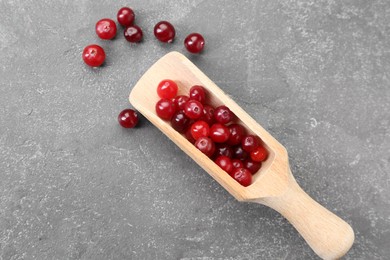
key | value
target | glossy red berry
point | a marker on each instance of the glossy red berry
(208, 114)
(125, 16)
(205, 145)
(189, 136)
(242, 176)
(180, 122)
(252, 166)
(223, 149)
(239, 153)
(237, 163)
(128, 118)
(164, 31)
(167, 89)
(105, 29)
(259, 154)
(180, 101)
(237, 132)
(198, 93)
(133, 33)
(194, 42)
(94, 55)
(165, 108)
(219, 133)
(224, 163)
(249, 143)
(193, 109)
(200, 129)
(223, 115)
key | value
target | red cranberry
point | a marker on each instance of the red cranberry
(194, 43)
(200, 129)
(193, 109)
(259, 154)
(249, 143)
(167, 89)
(239, 153)
(180, 101)
(125, 16)
(252, 166)
(198, 93)
(223, 114)
(225, 163)
(242, 176)
(165, 108)
(94, 55)
(133, 33)
(237, 163)
(189, 136)
(180, 122)
(223, 149)
(208, 114)
(237, 132)
(105, 29)
(205, 145)
(164, 31)
(128, 118)
(219, 133)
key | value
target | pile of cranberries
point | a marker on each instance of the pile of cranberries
(94, 55)
(213, 130)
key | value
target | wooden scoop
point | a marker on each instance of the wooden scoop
(273, 185)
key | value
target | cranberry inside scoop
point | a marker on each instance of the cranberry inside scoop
(200, 129)
(223, 115)
(180, 122)
(167, 89)
(165, 108)
(193, 109)
(198, 93)
(205, 145)
(242, 176)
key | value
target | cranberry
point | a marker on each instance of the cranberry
(237, 132)
(249, 143)
(259, 154)
(167, 89)
(165, 108)
(133, 33)
(252, 166)
(237, 163)
(125, 16)
(194, 43)
(200, 129)
(189, 136)
(239, 153)
(223, 114)
(94, 55)
(164, 31)
(219, 133)
(128, 118)
(223, 149)
(242, 176)
(180, 101)
(205, 145)
(208, 114)
(198, 93)
(193, 109)
(105, 29)
(225, 163)
(180, 122)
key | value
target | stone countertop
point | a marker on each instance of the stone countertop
(75, 185)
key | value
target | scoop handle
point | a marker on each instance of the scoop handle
(329, 236)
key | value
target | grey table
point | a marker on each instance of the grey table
(75, 185)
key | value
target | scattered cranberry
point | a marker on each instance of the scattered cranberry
(237, 132)
(94, 55)
(194, 43)
(164, 31)
(223, 115)
(180, 122)
(125, 16)
(133, 33)
(249, 143)
(167, 89)
(237, 163)
(165, 108)
(105, 29)
(242, 176)
(128, 118)
(219, 133)
(252, 166)
(239, 153)
(225, 163)
(208, 114)
(259, 154)
(198, 93)
(205, 145)
(180, 101)
(200, 129)
(193, 109)
(223, 149)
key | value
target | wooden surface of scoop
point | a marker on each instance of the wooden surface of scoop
(273, 185)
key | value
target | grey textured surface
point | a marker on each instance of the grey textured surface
(75, 185)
